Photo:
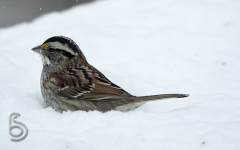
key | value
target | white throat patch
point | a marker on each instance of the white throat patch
(45, 60)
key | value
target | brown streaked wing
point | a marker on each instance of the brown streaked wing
(74, 83)
(103, 85)
(87, 83)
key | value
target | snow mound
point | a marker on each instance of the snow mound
(146, 47)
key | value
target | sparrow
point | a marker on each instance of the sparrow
(69, 82)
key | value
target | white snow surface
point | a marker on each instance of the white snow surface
(145, 47)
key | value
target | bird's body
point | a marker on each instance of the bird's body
(69, 82)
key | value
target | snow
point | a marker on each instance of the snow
(146, 47)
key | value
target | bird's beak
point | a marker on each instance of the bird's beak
(37, 49)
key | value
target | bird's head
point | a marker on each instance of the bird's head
(57, 50)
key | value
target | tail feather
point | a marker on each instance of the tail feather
(130, 103)
(153, 97)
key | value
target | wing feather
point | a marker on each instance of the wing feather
(87, 83)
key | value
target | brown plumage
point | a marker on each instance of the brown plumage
(69, 82)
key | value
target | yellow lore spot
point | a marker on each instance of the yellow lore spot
(45, 45)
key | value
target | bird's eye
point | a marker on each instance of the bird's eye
(51, 50)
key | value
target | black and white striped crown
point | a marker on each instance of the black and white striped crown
(63, 43)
